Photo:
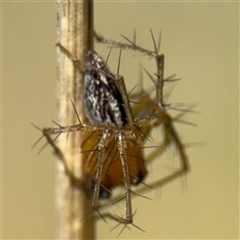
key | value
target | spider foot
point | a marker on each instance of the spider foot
(126, 222)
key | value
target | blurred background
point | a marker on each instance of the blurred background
(200, 41)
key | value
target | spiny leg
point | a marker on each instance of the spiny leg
(123, 91)
(164, 117)
(122, 148)
(102, 149)
(122, 154)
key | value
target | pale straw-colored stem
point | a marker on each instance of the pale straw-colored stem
(73, 201)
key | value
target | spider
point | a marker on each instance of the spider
(118, 130)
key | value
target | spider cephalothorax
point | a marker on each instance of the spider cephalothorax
(103, 101)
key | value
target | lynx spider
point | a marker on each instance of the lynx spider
(127, 140)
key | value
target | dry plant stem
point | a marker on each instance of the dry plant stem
(73, 201)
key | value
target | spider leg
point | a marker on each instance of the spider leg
(171, 135)
(102, 149)
(131, 45)
(122, 154)
(122, 89)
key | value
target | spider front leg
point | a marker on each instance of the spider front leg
(122, 147)
(122, 137)
(102, 153)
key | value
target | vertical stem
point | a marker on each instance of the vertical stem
(73, 201)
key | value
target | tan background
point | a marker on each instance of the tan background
(200, 41)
